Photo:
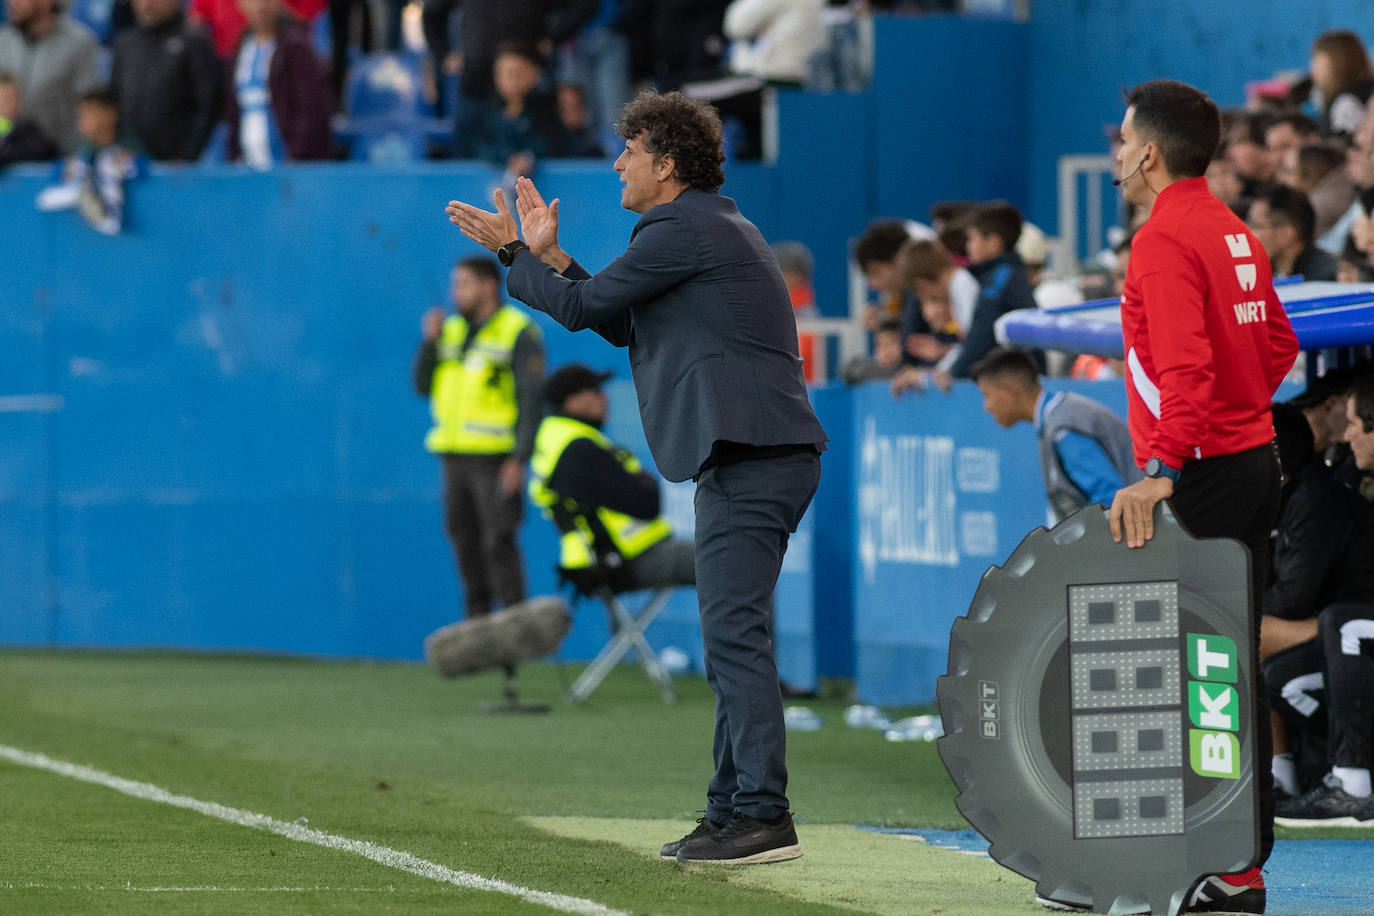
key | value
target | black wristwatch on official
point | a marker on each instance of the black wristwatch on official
(506, 253)
(1156, 467)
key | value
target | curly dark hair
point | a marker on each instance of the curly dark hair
(686, 129)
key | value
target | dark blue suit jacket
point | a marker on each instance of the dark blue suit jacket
(698, 299)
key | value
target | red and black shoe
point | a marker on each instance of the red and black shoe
(1242, 893)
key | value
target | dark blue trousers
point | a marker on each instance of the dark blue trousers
(744, 514)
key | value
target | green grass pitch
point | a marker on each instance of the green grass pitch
(574, 803)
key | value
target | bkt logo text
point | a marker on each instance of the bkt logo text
(1213, 706)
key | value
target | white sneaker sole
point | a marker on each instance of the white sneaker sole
(1306, 822)
(781, 854)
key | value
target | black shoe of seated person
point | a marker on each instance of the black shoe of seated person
(704, 828)
(745, 840)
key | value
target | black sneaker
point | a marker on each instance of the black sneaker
(1326, 806)
(1242, 893)
(705, 827)
(745, 841)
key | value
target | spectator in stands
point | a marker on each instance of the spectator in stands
(55, 59)
(605, 504)
(351, 24)
(1003, 283)
(949, 220)
(948, 295)
(21, 139)
(93, 177)
(1318, 171)
(1353, 228)
(876, 254)
(278, 101)
(1085, 449)
(520, 125)
(1224, 182)
(797, 265)
(1282, 220)
(226, 23)
(886, 358)
(689, 40)
(167, 79)
(1246, 150)
(1342, 81)
(1287, 133)
(486, 26)
(1322, 560)
(598, 60)
(771, 44)
(578, 140)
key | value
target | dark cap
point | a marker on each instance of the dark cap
(571, 379)
(1329, 383)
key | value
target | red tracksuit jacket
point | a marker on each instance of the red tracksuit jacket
(1207, 341)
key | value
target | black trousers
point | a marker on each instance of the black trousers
(1346, 633)
(1237, 496)
(745, 513)
(482, 521)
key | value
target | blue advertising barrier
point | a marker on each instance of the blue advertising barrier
(940, 494)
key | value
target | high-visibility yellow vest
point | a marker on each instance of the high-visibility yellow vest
(473, 396)
(585, 538)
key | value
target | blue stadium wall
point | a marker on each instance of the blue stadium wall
(208, 439)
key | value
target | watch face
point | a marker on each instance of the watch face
(1152, 467)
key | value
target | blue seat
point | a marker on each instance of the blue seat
(94, 15)
(387, 118)
(385, 87)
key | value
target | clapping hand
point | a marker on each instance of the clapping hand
(538, 219)
(490, 230)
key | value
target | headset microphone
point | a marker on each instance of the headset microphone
(1118, 182)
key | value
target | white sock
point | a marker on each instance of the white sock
(1285, 773)
(1354, 780)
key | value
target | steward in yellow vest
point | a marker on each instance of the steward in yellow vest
(599, 496)
(482, 370)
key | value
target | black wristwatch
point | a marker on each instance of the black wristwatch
(1156, 467)
(506, 253)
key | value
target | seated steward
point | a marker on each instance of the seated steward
(600, 497)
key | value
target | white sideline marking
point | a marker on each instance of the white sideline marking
(384, 855)
(38, 885)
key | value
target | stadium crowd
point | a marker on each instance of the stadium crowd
(512, 81)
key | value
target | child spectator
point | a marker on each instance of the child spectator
(948, 294)
(579, 138)
(876, 254)
(278, 101)
(519, 126)
(92, 178)
(1342, 82)
(1004, 284)
(21, 139)
(886, 358)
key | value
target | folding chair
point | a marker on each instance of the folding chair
(627, 628)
